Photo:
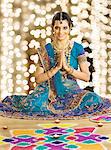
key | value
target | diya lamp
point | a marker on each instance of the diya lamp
(100, 124)
(56, 136)
(4, 127)
(57, 121)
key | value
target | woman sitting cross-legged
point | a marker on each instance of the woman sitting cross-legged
(57, 93)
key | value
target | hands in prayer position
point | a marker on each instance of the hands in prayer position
(61, 45)
(62, 63)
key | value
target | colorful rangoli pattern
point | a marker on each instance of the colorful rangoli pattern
(70, 138)
(104, 118)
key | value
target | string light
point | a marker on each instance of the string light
(24, 23)
(94, 27)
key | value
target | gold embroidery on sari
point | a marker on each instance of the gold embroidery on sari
(74, 103)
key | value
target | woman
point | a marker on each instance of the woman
(57, 93)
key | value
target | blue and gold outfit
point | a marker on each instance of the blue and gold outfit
(70, 99)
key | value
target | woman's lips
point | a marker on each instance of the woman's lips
(61, 36)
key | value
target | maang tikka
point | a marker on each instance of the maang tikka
(61, 17)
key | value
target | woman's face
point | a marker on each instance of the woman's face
(61, 30)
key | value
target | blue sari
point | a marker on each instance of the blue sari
(69, 99)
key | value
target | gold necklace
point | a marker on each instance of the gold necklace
(68, 54)
(67, 51)
(61, 46)
(59, 50)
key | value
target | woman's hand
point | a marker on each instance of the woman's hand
(60, 60)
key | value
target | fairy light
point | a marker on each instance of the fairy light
(97, 30)
(21, 37)
(74, 1)
(63, 4)
(11, 50)
(99, 38)
(32, 79)
(7, 40)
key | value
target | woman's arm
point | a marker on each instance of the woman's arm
(42, 76)
(83, 74)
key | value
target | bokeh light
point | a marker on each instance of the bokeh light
(27, 24)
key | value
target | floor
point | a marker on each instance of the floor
(81, 134)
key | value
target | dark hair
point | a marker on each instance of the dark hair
(63, 16)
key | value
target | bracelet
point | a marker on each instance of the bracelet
(70, 71)
(48, 75)
(37, 82)
(51, 70)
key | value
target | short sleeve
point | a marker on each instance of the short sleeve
(80, 53)
(80, 49)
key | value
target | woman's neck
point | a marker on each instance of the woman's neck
(60, 45)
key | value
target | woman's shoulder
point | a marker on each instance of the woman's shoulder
(78, 48)
(77, 44)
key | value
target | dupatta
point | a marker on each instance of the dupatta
(57, 78)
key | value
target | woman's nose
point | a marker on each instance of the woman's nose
(60, 30)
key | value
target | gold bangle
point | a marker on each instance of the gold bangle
(51, 70)
(48, 75)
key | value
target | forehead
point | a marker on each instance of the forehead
(58, 23)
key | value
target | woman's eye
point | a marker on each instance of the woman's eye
(56, 27)
(65, 28)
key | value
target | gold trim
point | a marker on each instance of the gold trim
(82, 58)
(51, 107)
